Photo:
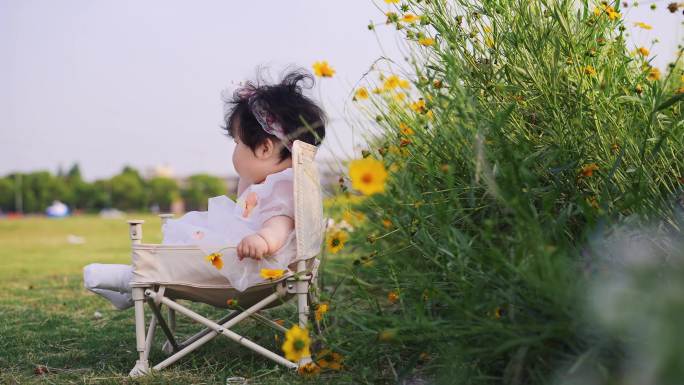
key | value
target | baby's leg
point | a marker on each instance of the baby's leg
(121, 301)
(111, 281)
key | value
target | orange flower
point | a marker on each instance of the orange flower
(588, 169)
(405, 129)
(215, 259)
(308, 369)
(409, 18)
(329, 360)
(393, 296)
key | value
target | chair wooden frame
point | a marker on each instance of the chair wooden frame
(300, 284)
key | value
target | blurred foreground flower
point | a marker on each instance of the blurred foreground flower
(321, 68)
(368, 175)
(296, 345)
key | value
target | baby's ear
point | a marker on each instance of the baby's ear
(265, 149)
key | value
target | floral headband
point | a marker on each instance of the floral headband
(266, 120)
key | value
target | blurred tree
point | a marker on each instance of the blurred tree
(199, 188)
(128, 190)
(162, 191)
(7, 194)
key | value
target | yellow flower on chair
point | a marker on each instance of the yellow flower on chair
(215, 259)
(271, 273)
(296, 345)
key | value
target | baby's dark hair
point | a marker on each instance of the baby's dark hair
(300, 117)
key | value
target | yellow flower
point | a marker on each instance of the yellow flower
(271, 273)
(397, 151)
(589, 70)
(400, 96)
(335, 240)
(409, 18)
(393, 296)
(680, 90)
(296, 345)
(642, 25)
(377, 90)
(391, 82)
(498, 312)
(361, 93)
(391, 1)
(426, 41)
(588, 169)
(643, 51)
(215, 259)
(387, 335)
(368, 175)
(353, 217)
(309, 369)
(405, 84)
(612, 15)
(489, 41)
(419, 106)
(387, 223)
(320, 310)
(405, 129)
(321, 68)
(653, 74)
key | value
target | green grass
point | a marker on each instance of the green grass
(47, 317)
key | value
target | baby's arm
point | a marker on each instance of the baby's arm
(267, 240)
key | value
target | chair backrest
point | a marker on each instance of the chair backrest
(308, 201)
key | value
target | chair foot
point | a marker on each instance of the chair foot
(141, 368)
(167, 348)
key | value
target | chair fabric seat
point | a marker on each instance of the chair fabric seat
(185, 274)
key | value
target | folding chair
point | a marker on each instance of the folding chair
(163, 274)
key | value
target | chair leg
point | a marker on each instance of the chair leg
(141, 365)
(303, 306)
(168, 346)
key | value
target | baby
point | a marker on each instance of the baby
(264, 120)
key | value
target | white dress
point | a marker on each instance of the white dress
(219, 229)
(225, 223)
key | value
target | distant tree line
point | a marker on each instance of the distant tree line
(34, 192)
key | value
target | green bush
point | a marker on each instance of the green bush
(536, 130)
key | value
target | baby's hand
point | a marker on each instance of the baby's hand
(252, 246)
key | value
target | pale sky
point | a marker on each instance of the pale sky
(109, 83)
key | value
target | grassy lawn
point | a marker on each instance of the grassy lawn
(48, 321)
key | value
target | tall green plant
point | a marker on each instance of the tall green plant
(530, 125)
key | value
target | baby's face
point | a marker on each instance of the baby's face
(244, 161)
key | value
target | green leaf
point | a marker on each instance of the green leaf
(671, 101)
